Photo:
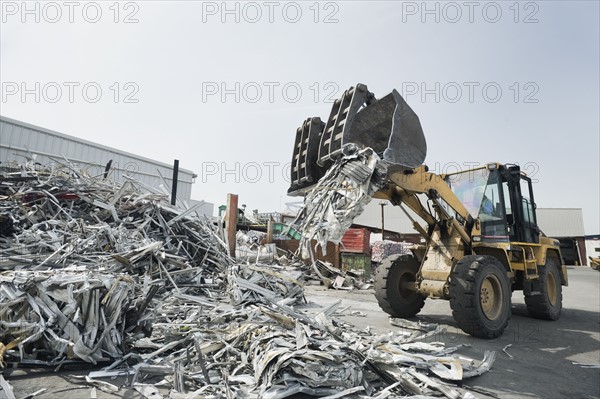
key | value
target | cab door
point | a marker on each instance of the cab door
(520, 206)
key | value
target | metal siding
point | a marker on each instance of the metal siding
(356, 240)
(554, 222)
(395, 220)
(561, 222)
(592, 248)
(15, 136)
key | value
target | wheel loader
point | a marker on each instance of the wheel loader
(479, 225)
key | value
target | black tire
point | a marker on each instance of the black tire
(480, 296)
(548, 303)
(391, 275)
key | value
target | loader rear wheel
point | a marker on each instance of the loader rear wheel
(548, 303)
(480, 296)
(395, 286)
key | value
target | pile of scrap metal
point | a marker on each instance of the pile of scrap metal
(113, 275)
(332, 277)
(252, 247)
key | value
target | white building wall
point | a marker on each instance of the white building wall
(561, 222)
(592, 248)
(206, 208)
(394, 219)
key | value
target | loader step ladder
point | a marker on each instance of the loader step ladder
(529, 263)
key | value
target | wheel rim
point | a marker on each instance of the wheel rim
(491, 297)
(551, 289)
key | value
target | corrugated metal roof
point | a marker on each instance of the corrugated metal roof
(561, 222)
(87, 143)
(19, 139)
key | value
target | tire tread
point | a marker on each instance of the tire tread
(382, 289)
(464, 301)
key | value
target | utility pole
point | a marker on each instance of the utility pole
(231, 220)
(382, 220)
(174, 185)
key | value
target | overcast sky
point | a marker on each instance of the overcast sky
(223, 86)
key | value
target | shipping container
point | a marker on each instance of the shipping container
(356, 240)
(357, 262)
(332, 256)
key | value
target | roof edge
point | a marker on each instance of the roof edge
(90, 143)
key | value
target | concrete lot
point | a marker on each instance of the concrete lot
(543, 352)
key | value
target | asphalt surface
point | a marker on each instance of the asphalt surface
(543, 352)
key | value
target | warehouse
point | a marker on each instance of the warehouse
(21, 141)
(397, 226)
(565, 224)
(592, 247)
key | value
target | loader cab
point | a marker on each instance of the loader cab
(519, 204)
(500, 197)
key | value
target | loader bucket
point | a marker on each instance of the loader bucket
(388, 126)
(304, 168)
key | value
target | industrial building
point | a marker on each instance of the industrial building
(20, 141)
(564, 224)
(592, 247)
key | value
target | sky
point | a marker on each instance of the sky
(222, 86)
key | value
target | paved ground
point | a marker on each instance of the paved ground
(543, 352)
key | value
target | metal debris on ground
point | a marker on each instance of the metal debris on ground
(115, 276)
(506, 352)
(587, 366)
(250, 247)
(334, 278)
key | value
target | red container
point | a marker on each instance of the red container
(356, 240)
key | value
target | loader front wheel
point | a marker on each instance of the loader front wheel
(480, 296)
(547, 304)
(395, 288)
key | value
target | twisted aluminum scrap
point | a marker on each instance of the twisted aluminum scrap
(338, 198)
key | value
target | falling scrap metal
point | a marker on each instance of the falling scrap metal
(338, 198)
(115, 276)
